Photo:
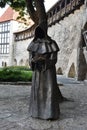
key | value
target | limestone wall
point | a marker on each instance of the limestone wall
(4, 60)
(67, 34)
(21, 56)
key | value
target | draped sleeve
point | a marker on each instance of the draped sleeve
(42, 53)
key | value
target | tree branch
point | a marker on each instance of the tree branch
(31, 11)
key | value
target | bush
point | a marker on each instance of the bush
(13, 74)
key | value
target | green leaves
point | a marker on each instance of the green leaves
(18, 4)
(2, 3)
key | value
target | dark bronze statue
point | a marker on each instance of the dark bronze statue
(44, 92)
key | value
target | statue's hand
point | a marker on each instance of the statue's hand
(38, 59)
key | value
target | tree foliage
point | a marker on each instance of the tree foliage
(35, 8)
(18, 5)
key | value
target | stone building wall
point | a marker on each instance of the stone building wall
(67, 34)
(21, 56)
(6, 59)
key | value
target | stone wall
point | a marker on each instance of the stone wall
(67, 34)
(21, 56)
(4, 60)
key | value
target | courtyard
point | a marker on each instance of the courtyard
(14, 106)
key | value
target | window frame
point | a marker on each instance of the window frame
(4, 37)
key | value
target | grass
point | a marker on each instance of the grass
(14, 74)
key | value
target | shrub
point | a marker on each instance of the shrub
(14, 74)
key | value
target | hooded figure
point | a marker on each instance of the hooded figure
(44, 92)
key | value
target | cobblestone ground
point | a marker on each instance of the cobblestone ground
(14, 104)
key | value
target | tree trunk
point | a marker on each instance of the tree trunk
(41, 14)
(32, 12)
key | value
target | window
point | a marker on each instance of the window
(68, 1)
(4, 37)
(63, 4)
(4, 63)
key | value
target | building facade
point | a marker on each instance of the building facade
(8, 25)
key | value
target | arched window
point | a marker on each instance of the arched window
(72, 71)
(68, 1)
(21, 62)
(62, 4)
(27, 63)
(59, 71)
(5, 64)
(2, 63)
(15, 62)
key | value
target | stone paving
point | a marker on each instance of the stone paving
(14, 104)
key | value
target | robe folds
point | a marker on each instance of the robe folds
(44, 91)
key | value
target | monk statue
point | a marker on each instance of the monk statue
(44, 91)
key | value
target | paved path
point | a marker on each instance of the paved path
(14, 104)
